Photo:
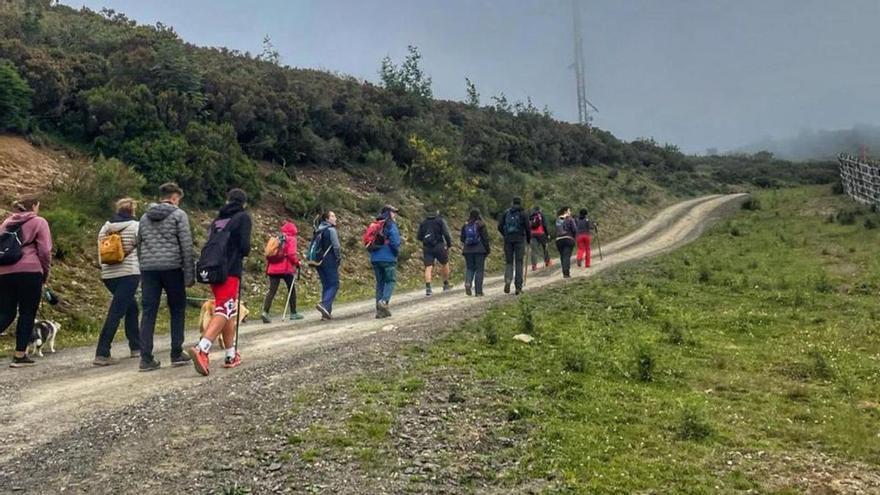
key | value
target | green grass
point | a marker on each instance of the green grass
(760, 340)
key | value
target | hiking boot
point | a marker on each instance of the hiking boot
(428, 290)
(151, 365)
(507, 287)
(382, 309)
(104, 361)
(134, 354)
(446, 286)
(296, 316)
(580, 263)
(265, 317)
(534, 267)
(548, 263)
(325, 314)
(181, 360)
(480, 294)
(21, 362)
(467, 290)
(199, 359)
(232, 362)
(518, 291)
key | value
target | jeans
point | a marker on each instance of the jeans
(583, 242)
(565, 247)
(153, 283)
(124, 304)
(20, 294)
(475, 268)
(386, 278)
(274, 282)
(540, 241)
(329, 274)
(514, 251)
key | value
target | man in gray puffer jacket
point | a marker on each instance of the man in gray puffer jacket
(165, 252)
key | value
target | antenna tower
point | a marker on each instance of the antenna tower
(584, 104)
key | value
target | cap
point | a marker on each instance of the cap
(387, 208)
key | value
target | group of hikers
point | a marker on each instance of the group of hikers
(156, 252)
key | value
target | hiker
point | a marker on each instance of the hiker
(221, 266)
(475, 248)
(325, 255)
(566, 232)
(165, 256)
(25, 258)
(382, 240)
(121, 275)
(514, 227)
(436, 241)
(585, 229)
(540, 231)
(282, 263)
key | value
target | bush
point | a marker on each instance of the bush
(527, 318)
(870, 224)
(644, 364)
(574, 360)
(692, 425)
(752, 204)
(490, 332)
(15, 99)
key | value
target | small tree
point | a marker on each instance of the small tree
(15, 99)
(408, 78)
(473, 97)
(269, 53)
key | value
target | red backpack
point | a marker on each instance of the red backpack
(374, 237)
(537, 223)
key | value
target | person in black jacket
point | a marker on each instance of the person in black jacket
(436, 241)
(514, 227)
(566, 232)
(235, 220)
(475, 248)
(540, 229)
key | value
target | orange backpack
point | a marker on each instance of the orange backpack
(110, 249)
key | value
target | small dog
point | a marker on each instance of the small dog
(207, 313)
(43, 335)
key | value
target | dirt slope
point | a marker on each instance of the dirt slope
(87, 430)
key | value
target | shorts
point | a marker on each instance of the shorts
(436, 253)
(226, 298)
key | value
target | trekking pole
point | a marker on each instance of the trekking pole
(525, 258)
(238, 310)
(289, 293)
(599, 242)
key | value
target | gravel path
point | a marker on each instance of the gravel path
(68, 427)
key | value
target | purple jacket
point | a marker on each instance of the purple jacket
(37, 245)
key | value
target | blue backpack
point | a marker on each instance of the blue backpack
(316, 253)
(471, 234)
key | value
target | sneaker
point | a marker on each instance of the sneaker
(151, 365)
(428, 291)
(507, 287)
(518, 291)
(134, 354)
(534, 267)
(199, 359)
(104, 361)
(382, 309)
(325, 314)
(467, 290)
(181, 360)
(480, 294)
(548, 263)
(296, 316)
(21, 362)
(446, 286)
(232, 362)
(265, 317)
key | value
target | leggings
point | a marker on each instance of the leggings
(20, 295)
(583, 242)
(274, 282)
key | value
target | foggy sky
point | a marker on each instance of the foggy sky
(696, 73)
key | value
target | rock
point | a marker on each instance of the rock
(522, 337)
(275, 466)
(389, 328)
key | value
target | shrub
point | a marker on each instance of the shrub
(705, 275)
(692, 425)
(490, 332)
(870, 224)
(819, 366)
(15, 99)
(574, 360)
(527, 318)
(644, 363)
(752, 204)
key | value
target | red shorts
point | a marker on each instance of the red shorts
(226, 298)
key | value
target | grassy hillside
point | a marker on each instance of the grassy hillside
(744, 363)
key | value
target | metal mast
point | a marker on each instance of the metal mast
(584, 104)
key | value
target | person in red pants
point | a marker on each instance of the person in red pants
(585, 228)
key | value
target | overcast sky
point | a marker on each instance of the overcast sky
(697, 73)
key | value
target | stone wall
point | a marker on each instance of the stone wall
(860, 179)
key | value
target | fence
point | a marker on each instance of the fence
(860, 179)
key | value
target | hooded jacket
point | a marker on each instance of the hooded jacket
(165, 241)
(127, 228)
(434, 232)
(524, 234)
(389, 251)
(238, 224)
(584, 225)
(483, 247)
(565, 228)
(545, 225)
(36, 247)
(329, 239)
(289, 264)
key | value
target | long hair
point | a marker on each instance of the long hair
(474, 216)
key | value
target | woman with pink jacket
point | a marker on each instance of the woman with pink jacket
(283, 267)
(21, 282)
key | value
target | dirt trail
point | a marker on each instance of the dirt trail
(60, 401)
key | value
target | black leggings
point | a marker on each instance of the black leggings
(274, 282)
(20, 294)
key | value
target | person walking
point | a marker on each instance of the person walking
(475, 249)
(514, 227)
(540, 231)
(121, 276)
(585, 229)
(221, 265)
(283, 265)
(25, 259)
(566, 232)
(325, 254)
(382, 240)
(436, 242)
(165, 255)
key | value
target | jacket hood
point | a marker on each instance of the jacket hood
(289, 229)
(431, 216)
(324, 225)
(230, 209)
(22, 216)
(121, 217)
(160, 211)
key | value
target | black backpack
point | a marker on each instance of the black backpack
(434, 236)
(512, 222)
(213, 265)
(11, 245)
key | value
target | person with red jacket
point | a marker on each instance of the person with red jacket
(283, 267)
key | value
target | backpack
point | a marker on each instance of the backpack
(213, 265)
(110, 249)
(536, 222)
(274, 250)
(472, 234)
(434, 237)
(10, 244)
(374, 237)
(512, 224)
(563, 228)
(315, 255)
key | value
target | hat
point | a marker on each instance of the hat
(387, 208)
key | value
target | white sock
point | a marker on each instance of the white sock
(230, 352)
(205, 345)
